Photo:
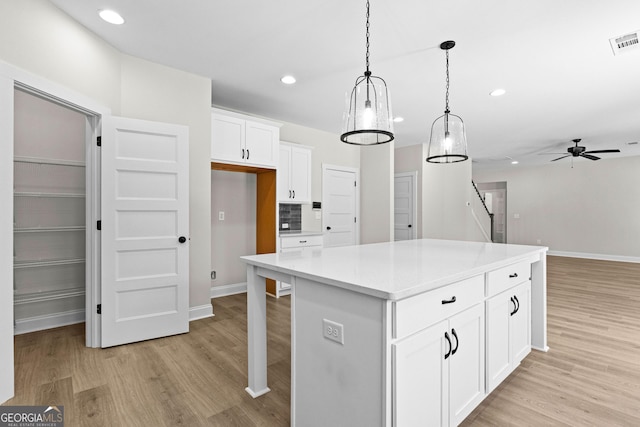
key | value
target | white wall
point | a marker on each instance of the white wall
(328, 149)
(233, 193)
(593, 208)
(49, 44)
(376, 193)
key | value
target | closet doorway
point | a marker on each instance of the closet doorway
(50, 212)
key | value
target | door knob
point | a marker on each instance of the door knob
(182, 239)
(328, 228)
(409, 226)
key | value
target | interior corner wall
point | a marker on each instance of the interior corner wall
(412, 159)
(376, 193)
(592, 209)
(446, 190)
(49, 44)
(328, 149)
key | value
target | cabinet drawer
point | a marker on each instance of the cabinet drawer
(300, 241)
(416, 313)
(506, 277)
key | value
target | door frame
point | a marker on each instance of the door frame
(94, 111)
(414, 196)
(356, 171)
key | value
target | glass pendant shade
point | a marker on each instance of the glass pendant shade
(367, 118)
(448, 143)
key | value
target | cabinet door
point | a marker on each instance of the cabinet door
(301, 174)
(466, 363)
(420, 381)
(261, 144)
(284, 172)
(520, 328)
(499, 308)
(227, 138)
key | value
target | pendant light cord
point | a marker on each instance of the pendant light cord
(367, 36)
(447, 93)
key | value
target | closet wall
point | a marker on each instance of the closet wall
(49, 214)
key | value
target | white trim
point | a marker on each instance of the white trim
(479, 224)
(200, 312)
(602, 257)
(39, 323)
(356, 171)
(226, 290)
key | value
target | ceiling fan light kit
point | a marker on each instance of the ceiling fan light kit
(448, 142)
(367, 118)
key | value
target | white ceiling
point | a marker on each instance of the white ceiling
(552, 56)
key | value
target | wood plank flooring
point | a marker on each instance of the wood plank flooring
(590, 376)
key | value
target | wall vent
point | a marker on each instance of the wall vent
(625, 43)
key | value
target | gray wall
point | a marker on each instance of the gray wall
(592, 209)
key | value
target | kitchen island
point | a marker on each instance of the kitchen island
(400, 333)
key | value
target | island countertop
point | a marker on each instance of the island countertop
(396, 270)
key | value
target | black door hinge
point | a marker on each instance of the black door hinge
(99, 309)
(99, 225)
(99, 141)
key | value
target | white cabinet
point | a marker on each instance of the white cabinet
(508, 332)
(294, 174)
(293, 243)
(238, 139)
(439, 371)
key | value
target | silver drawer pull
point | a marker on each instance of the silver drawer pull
(449, 301)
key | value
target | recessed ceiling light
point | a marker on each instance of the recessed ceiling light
(498, 92)
(398, 119)
(112, 17)
(514, 162)
(288, 80)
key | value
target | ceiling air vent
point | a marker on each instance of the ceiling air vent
(626, 43)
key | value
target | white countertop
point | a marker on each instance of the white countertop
(397, 270)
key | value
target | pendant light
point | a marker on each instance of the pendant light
(367, 118)
(448, 143)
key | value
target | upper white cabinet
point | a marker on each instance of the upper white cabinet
(294, 174)
(243, 140)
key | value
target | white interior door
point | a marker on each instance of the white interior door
(404, 204)
(340, 206)
(145, 226)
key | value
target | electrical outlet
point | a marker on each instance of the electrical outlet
(221, 216)
(285, 225)
(333, 331)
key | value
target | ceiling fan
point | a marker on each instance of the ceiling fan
(580, 151)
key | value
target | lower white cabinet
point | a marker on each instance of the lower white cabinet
(439, 372)
(293, 243)
(508, 332)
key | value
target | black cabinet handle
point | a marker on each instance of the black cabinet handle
(514, 307)
(446, 337)
(182, 239)
(289, 193)
(302, 241)
(518, 304)
(294, 194)
(453, 332)
(449, 301)
(328, 228)
(511, 276)
(243, 153)
(247, 154)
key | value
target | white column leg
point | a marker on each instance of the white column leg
(257, 333)
(539, 304)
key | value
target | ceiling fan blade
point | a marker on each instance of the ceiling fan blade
(601, 151)
(543, 154)
(589, 156)
(560, 157)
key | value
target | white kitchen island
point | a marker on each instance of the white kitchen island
(405, 333)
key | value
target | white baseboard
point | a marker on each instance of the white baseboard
(39, 323)
(200, 312)
(603, 257)
(226, 290)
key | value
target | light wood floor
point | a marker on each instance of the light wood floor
(590, 376)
